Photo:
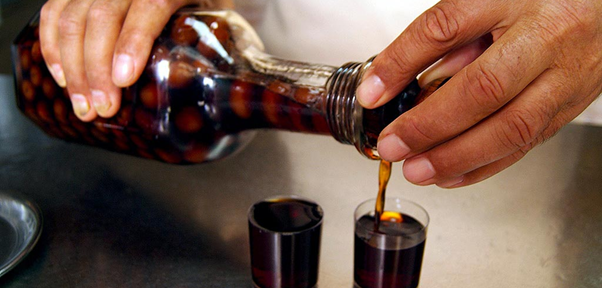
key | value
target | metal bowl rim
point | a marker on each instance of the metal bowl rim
(33, 238)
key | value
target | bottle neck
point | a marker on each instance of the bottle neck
(321, 96)
(273, 93)
(325, 92)
(297, 73)
(317, 99)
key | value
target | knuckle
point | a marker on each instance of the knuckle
(521, 129)
(400, 62)
(485, 87)
(47, 46)
(133, 40)
(548, 34)
(48, 51)
(551, 129)
(526, 148)
(69, 24)
(441, 23)
(99, 12)
(417, 132)
(46, 12)
(518, 155)
(577, 15)
(565, 19)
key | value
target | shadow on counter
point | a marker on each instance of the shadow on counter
(154, 224)
(580, 241)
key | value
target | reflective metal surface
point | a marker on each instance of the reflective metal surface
(20, 227)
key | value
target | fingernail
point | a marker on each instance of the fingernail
(81, 107)
(123, 69)
(370, 90)
(452, 182)
(392, 148)
(59, 75)
(418, 170)
(100, 101)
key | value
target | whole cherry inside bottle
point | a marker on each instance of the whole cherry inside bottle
(206, 87)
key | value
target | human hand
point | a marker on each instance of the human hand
(523, 69)
(95, 47)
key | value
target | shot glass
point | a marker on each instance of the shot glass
(284, 234)
(389, 253)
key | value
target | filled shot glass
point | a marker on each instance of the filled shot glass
(284, 234)
(388, 253)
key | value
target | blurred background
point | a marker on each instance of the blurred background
(117, 221)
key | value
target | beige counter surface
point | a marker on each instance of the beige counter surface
(118, 221)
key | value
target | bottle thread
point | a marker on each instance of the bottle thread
(343, 112)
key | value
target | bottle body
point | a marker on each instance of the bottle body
(206, 88)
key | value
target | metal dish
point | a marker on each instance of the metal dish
(20, 227)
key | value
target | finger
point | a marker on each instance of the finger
(142, 26)
(474, 93)
(482, 173)
(523, 124)
(72, 26)
(444, 27)
(103, 26)
(49, 38)
(453, 62)
(489, 170)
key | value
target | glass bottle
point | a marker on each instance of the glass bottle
(207, 86)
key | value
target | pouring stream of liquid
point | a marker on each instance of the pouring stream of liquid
(384, 174)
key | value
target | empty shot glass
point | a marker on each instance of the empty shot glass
(388, 253)
(284, 234)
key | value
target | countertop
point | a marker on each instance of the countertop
(117, 221)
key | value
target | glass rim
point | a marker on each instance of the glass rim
(284, 197)
(397, 199)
